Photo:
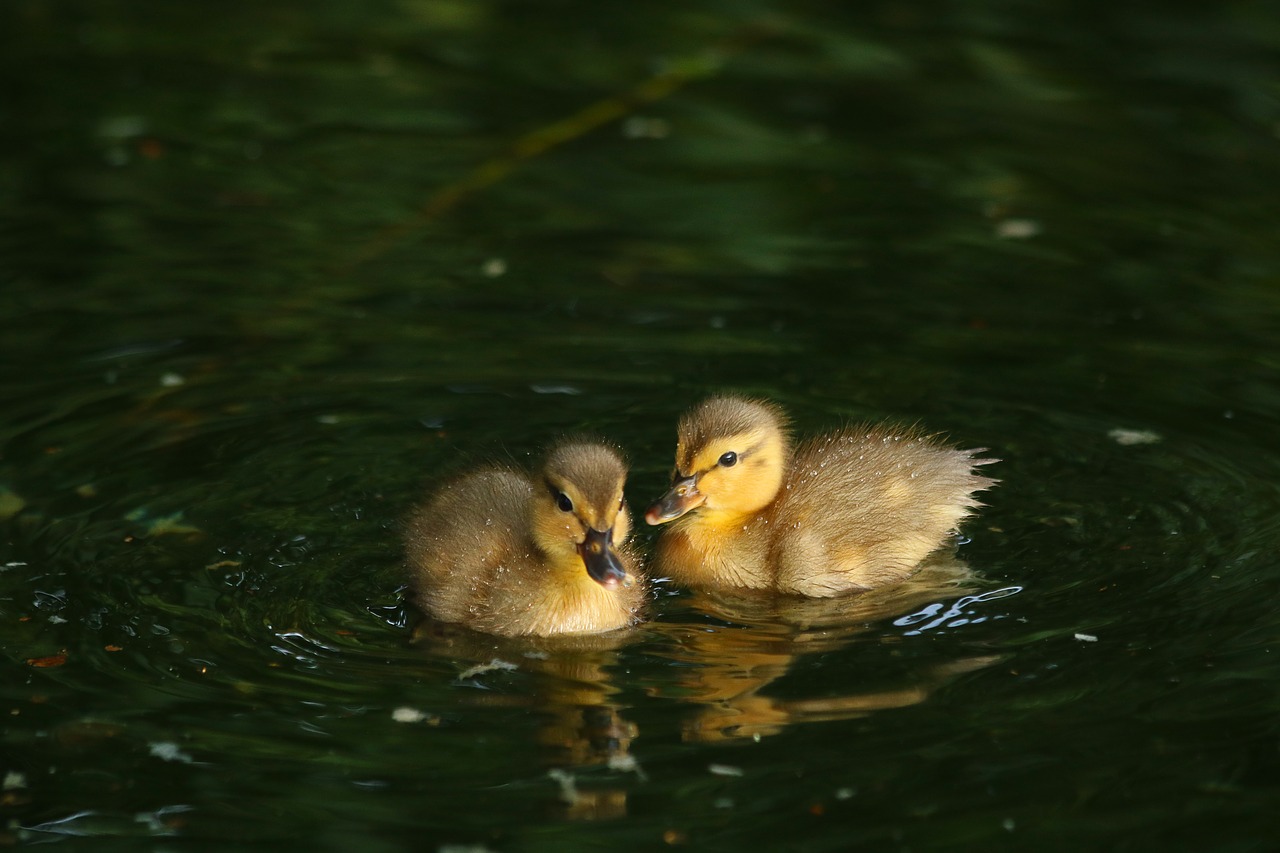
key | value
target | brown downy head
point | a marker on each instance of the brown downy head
(578, 508)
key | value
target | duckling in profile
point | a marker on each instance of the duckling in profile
(843, 512)
(505, 554)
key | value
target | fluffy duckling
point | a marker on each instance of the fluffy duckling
(847, 511)
(502, 553)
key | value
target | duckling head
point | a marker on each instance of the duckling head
(731, 456)
(581, 510)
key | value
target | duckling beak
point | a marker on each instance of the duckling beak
(602, 563)
(683, 497)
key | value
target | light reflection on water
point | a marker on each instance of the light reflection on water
(954, 615)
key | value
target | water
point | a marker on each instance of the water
(269, 274)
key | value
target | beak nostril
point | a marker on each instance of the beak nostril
(602, 563)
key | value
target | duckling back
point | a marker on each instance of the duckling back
(863, 507)
(458, 543)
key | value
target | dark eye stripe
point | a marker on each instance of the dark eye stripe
(723, 460)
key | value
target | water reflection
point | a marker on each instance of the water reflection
(574, 694)
(745, 643)
(729, 653)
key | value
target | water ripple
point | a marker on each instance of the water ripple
(956, 614)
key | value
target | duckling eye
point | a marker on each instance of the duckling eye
(562, 501)
(729, 460)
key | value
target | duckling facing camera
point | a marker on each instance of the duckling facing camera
(848, 511)
(503, 553)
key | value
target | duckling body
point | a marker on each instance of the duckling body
(504, 553)
(848, 511)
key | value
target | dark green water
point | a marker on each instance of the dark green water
(259, 289)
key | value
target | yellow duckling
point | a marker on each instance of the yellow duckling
(847, 511)
(505, 554)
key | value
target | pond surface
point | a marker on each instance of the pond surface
(268, 273)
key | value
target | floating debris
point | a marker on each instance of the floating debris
(646, 127)
(164, 820)
(167, 751)
(1086, 638)
(11, 503)
(724, 770)
(1133, 436)
(626, 763)
(568, 790)
(1017, 229)
(481, 668)
(494, 268)
(13, 780)
(172, 380)
(166, 525)
(405, 714)
(549, 388)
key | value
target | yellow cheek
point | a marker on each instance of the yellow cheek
(711, 483)
(719, 486)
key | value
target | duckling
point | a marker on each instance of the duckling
(843, 512)
(502, 553)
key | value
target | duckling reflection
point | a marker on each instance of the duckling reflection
(574, 694)
(753, 639)
(846, 512)
(505, 554)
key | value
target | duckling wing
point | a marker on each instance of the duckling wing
(463, 536)
(863, 507)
